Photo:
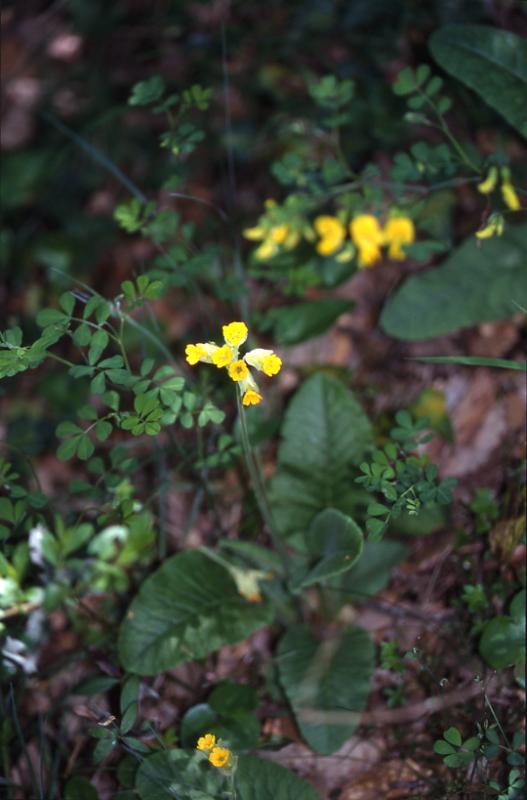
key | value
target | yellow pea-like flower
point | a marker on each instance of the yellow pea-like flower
(332, 234)
(398, 231)
(255, 234)
(510, 198)
(367, 235)
(279, 234)
(489, 184)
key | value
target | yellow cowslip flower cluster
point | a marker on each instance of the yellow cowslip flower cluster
(508, 192)
(273, 234)
(367, 235)
(220, 757)
(235, 334)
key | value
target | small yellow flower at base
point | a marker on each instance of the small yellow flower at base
(510, 198)
(332, 234)
(398, 231)
(489, 184)
(206, 742)
(223, 356)
(238, 371)
(256, 597)
(235, 333)
(251, 398)
(194, 353)
(272, 365)
(220, 757)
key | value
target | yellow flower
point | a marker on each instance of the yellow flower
(368, 236)
(510, 197)
(267, 249)
(206, 742)
(494, 227)
(272, 365)
(255, 234)
(264, 360)
(279, 234)
(238, 371)
(223, 356)
(332, 234)
(235, 333)
(194, 353)
(220, 757)
(251, 398)
(489, 184)
(398, 231)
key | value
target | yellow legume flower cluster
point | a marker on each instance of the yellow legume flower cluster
(367, 235)
(496, 223)
(226, 355)
(330, 234)
(220, 757)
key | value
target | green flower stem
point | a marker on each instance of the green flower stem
(255, 475)
(232, 784)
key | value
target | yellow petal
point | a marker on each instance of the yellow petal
(489, 184)
(255, 234)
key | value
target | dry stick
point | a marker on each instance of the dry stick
(391, 716)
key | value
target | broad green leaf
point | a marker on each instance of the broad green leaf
(475, 284)
(187, 609)
(326, 682)
(292, 324)
(371, 573)
(325, 432)
(491, 61)
(334, 541)
(260, 779)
